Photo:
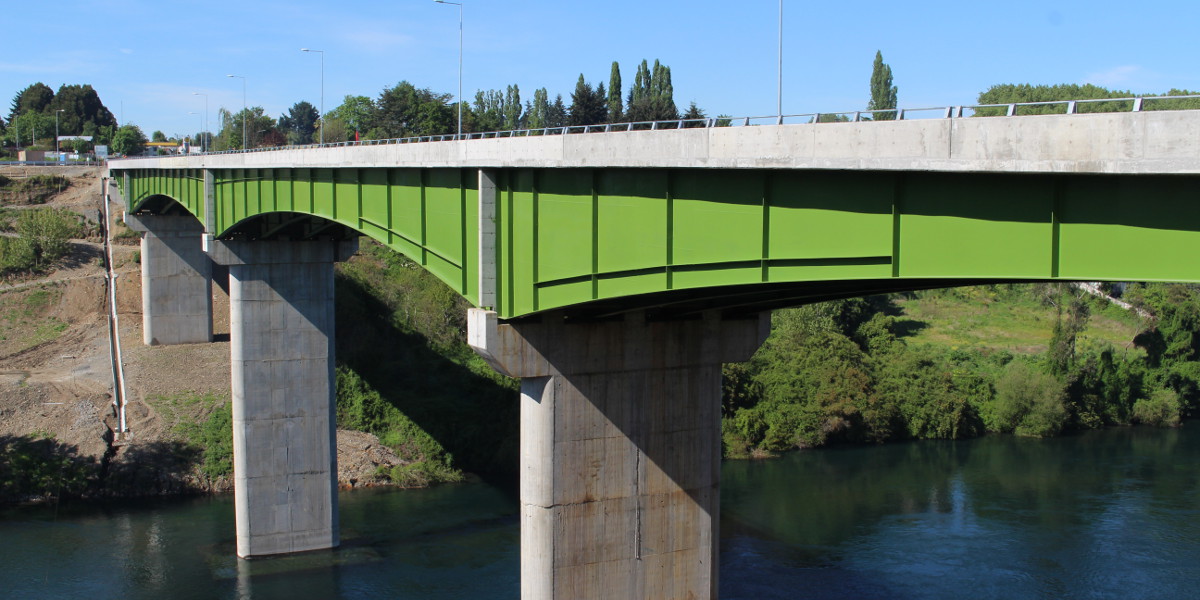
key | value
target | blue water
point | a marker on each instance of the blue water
(1112, 514)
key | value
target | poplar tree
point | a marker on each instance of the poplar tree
(614, 94)
(883, 93)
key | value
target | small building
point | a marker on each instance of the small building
(31, 155)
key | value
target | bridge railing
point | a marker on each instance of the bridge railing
(1015, 109)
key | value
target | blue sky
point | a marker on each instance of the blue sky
(147, 57)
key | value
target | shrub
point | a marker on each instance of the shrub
(1161, 409)
(1028, 402)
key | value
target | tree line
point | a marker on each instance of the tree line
(843, 372)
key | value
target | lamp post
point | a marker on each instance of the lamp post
(57, 154)
(244, 148)
(460, 59)
(322, 123)
(779, 89)
(204, 131)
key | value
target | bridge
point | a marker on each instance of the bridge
(614, 273)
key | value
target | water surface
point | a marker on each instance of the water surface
(1110, 514)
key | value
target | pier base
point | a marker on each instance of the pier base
(620, 450)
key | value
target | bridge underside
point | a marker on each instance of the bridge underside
(600, 241)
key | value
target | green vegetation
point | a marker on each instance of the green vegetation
(43, 238)
(82, 113)
(35, 189)
(204, 424)
(407, 375)
(38, 466)
(883, 93)
(1011, 93)
(862, 370)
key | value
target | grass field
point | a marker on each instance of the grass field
(1007, 318)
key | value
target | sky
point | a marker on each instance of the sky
(147, 58)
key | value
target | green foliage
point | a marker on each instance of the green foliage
(588, 105)
(652, 97)
(405, 111)
(883, 93)
(37, 465)
(1028, 402)
(215, 439)
(401, 331)
(300, 123)
(361, 408)
(614, 94)
(129, 141)
(1161, 409)
(48, 233)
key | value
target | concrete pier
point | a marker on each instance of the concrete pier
(176, 280)
(620, 449)
(284, 443)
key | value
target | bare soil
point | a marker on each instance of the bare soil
(55, 370)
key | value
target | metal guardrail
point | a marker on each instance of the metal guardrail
(1137, 104)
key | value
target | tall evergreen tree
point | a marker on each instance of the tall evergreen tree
(652, 97)
(512, 108)
(557, 115)
(883, 93)
(588, 106)
(614, 94)
(537, 112)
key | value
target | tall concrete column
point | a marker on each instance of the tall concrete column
(620, 450)
(176, 280)
(284, 442)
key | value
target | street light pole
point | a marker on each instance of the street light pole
(460, 59)
(779, 92)
(203, 144)
(244, 148)
(322, 123)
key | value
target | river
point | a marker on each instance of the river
(1107, 514)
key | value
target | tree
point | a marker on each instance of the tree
(513, 119)
(588, 105)
(614, 94)
(35, 98)
(537, 110)
(129, 140)
(82, 109)
(356, 113)
(556, 116)
(694, 114)
(883, 93)
(158, 136)
(405, 111)
(652, 97)
(299, 124)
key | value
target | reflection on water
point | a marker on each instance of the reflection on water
(1110, 514)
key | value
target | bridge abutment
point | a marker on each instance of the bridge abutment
(620, 449)
(284, 440)
(176, 280)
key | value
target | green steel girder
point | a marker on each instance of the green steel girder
(631, 237)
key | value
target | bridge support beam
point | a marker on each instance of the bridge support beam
(176, 280)
(620, 449)
(284, 441)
